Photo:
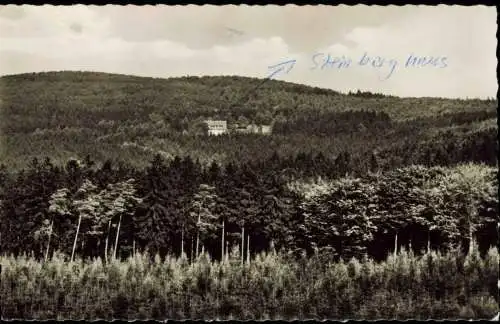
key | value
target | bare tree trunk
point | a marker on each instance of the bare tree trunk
(472, 210)
(117, 235)
(106, 243)
(192, 249)
(198, 231)
(48, 241)
(76, 237)
(396, 244)
(222, 252)
(197, 243)
(133, 248)
(248, 249)
(471, 240)
(242, 244)
(227, 250)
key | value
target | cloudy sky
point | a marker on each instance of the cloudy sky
(164, 41)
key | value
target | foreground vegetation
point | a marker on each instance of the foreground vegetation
(269, 286)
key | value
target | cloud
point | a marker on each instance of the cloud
(303, 28)
(160, 58)
(167, 41)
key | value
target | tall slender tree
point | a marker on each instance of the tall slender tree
(86, 205)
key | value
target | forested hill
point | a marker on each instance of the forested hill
(71, 114)
(83, 99)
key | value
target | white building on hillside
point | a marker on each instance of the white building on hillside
(216, 127)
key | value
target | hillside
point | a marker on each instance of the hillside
(65, 114)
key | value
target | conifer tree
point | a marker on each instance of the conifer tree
(86, 205)
(202, 208)
(59, 206)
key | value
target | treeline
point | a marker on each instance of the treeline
(366, 94)
(425, 208)
(455, 118)
(179, 205)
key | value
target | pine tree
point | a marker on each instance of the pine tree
(60, 205)
(86, 205)
(124, 204)
(116, 201)
(201, 209)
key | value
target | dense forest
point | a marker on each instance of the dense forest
(113, 173)
(67, 115)
(179, 206)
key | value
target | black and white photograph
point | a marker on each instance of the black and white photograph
(245, 162)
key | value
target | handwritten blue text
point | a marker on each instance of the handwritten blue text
(385, 66)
